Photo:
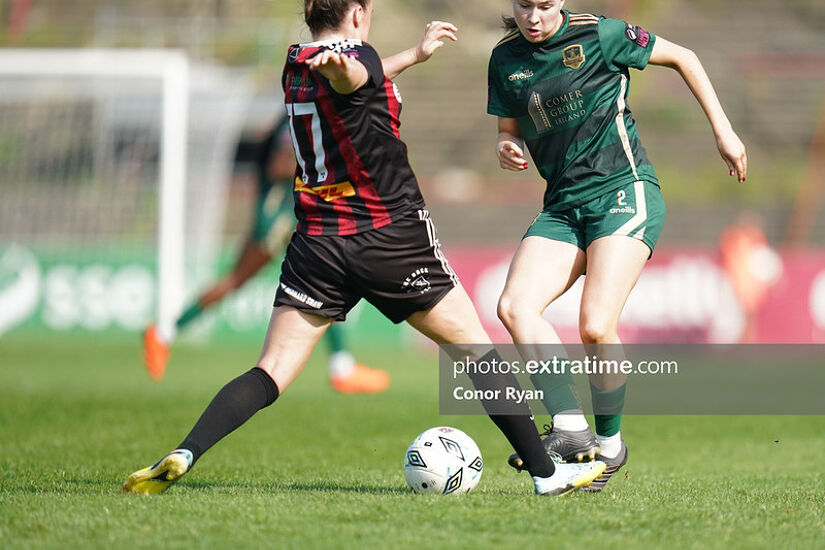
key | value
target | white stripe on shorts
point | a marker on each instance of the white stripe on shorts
(424, 216)
(641, 213)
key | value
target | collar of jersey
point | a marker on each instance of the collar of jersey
(330, 42)
(556, 36)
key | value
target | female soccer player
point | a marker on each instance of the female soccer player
(274, 221)
(362, 232)
(558, 83)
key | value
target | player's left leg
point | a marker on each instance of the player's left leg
(401, 270)
(614, 264)
(622, 228)
(454, 320)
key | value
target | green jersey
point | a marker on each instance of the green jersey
(569, 96)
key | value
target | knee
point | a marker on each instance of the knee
(268, 364)
(595, 331)
(281, 377)
(512, 311)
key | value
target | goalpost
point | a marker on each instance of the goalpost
(117, 152)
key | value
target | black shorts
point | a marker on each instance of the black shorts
(398, 268)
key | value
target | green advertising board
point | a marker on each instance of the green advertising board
(87, 291)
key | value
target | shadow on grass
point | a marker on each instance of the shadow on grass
(76, 486)
(310, 487)
(109, 487)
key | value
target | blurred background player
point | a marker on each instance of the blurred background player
(603, 210)
(752, 266)
(273, 224)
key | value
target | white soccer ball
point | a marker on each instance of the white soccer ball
(443, 461)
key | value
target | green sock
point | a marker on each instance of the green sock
(335, 337)
(192, 312)
(607, 409)
(559, 391)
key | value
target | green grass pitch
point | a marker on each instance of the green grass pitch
(320, 470)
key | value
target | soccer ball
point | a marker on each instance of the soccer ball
(444, 461)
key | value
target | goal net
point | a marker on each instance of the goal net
(113, 171)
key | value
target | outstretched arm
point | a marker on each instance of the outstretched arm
(433, 39)
(510, 145)
(346, 74)
(687, 64)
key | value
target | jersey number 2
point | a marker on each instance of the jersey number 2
(301, 110)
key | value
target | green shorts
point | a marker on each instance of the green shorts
(636, 210)
(274, 218)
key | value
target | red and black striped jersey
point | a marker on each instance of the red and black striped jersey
(353, 174)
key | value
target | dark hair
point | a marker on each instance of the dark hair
(322, 15)
(509, 22)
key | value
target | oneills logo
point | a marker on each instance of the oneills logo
(520, 75)
(329, 193)
(573, 56)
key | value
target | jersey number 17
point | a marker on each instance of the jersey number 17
(300, 110)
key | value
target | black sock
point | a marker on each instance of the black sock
(235, 404)
(519, 429)
(522, 434)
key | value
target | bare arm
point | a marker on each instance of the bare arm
(510, 145)
(687, 64)
(345, 74)
(433, 39)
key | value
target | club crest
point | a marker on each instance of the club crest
(573, 56)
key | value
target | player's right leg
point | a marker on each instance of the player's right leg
(542, 270)
(290, 338)
(312, 292)
(157, 339)
(453, 320)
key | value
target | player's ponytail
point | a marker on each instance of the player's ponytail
(323, 15)
(509, 23)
